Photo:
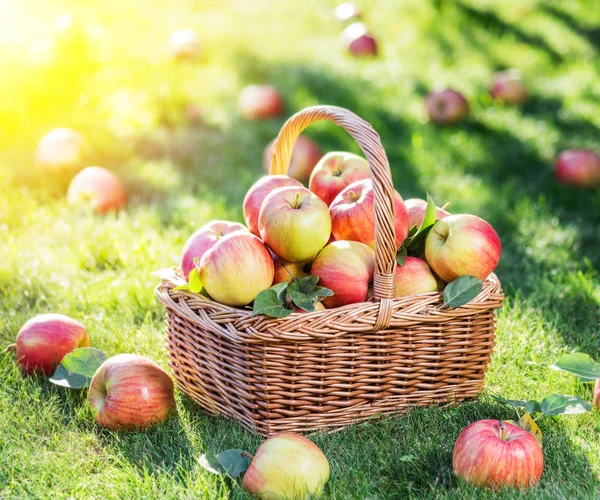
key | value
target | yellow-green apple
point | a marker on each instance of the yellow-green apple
(359, 41)
(497, 454)
(597, 394)
(257, 194)
(43, 341)
(236, 269)
(294, 223)
(185, 44)
(203, 239)
(287, 465)
(346, 268)
(347, 11)
(99, 188)
(353, 217)
(462, 245)
(286, 271)
(305, 155)
(130, 392)
(578, 167)
(414, 277)
(508, 86)
(416, 208)
(334, 172)
(318, 307)
(62, 148)
(446, 106)
(257, 102)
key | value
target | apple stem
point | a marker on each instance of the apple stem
(446, 205)
(502, 430)
(247, 455)
(11, 347)
(297, 202)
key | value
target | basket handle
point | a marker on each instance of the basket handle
(384, 279)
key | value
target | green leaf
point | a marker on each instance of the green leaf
(195, 283)
(78, 367)
(579, 364)
(461, 291)
(229, 462)
(430, 216)
(182, 288)
(416, 245)
(401, 256)
(170, 275)
(304, 292)
(515, 403)
(532, 406)
(560, 404)
(412, 231)
(271, 302)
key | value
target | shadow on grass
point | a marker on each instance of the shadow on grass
(591, 34)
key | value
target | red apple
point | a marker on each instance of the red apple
(99, 188)
(185, 44)
(258, 102)
(257, 194)
(203, 239)
(416, 208)
(347, 11)
(578, 167)
(285, 271)
(508, 86)
(446, 106)
(346, 268)
(353, 218)
(462, 244)
(414, 277)
(62, 148)
(294, 223)
(497, 454)
(287, 465)
(44, 341)
(358, 41)
(334, 172)
(597, 394)
(130, 392)
(305, 155)
(236, 269)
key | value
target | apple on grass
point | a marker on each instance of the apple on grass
(62, 148)
(359, 41)
(597, 394)
(130, 392)
(414, 277)
(287, 465)
(346, 268)
(497, 454)
(461, 245)
(508, 86)
(294, 223)
(99, 188)
(446, 106)
(305, 155)
(578, 167)
(257, 194)
(258, 102)
(43, 341)
(334, 172)
(353, 217)
(416, 207)
(185, 44)
(203, 239)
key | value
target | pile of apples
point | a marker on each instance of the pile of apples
(328, 231)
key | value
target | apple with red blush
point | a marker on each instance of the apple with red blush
(61, 149)
(416, 208)
(259, 102)
(305, 156)
(358, 41)
(414, 277)
(98, 188)
(509, 87)
(446, 106)
(578, 167)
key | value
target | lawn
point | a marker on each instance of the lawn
(127, 98)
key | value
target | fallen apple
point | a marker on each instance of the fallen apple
(508, 86)
(416, 207)
(62, 148)
(130, 392)
(446, 107)
(497, 454)
(597, 394)
(99, 188)
(359, 41)
(287, 465)
(185, 44)
(258, 102)
(305, 155)
(414, 277)
(578, 167)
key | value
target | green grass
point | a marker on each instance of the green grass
(128, 99)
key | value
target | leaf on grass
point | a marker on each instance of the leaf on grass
(272, 302)
(515, 403)
(229, 462)
(170, 275)
(194, 281)
(78, 367)
(579, 364)
(528, 424)
(560, 404)
(304, 292)
(532, 406)
(401, 256)
(462, 290)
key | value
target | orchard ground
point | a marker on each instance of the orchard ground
(128, 99)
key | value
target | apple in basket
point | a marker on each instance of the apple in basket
(578, 167)
(130, 392)
(61, 148)
(446, 106)
(203, 239)
(43, 341)
(294, 223)
(414, 277)
(236, 268)
(257, 102)
(286, 271)
(497, 454)
(416, 208)
(462, 244)
(346, 268)
(334, 172)
(353, 218)
(185, 44)
(98, 188)
(305, 155)
(257, 194)
(287, 465)
(508, 86)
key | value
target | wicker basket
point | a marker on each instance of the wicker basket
(331, 368)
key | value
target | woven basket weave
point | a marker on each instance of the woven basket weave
(331, 368)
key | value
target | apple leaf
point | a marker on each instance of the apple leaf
(229, 462)
(412, 231)
(580, 365)
(194, 281)
(430, 216)
(560, 404)
(532, 406)
(515, 403)
(272, 302)
(461, 291)
(528, 424)
(304, 292)
(169, 274)
(401, 256)
(78, 367)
